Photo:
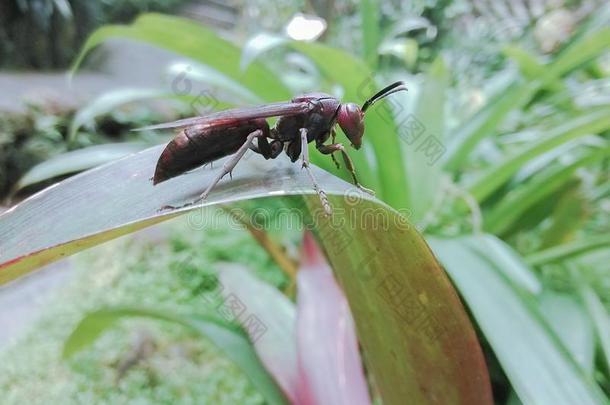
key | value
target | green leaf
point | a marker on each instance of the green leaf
(537, 364)
(369, 17)
(568, 319)
(568, 250)
(259, 44)
(485, 123)
(582, 125)
(529, 66)
(419, 343)
(273, 331)
(601, 319)
(230, 340)
(578, 53)
(106, 103)
(521, 198)
(213, 78)
(190, 39)
(519, 93)
(77, 161)
(568, 218)
(424, 174)
(510, 263)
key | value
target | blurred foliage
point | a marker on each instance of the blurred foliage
(43, 132)
(161, 268)
(517, 95)
(45, 34)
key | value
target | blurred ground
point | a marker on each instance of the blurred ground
(122, 64)
(22, 302)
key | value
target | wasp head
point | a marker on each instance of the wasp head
(351, 121)
(351, 117)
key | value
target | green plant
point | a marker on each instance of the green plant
(501, 173)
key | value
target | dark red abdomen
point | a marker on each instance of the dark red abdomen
(193, 147)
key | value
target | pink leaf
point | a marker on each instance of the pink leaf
(330, 368)
(268, 317)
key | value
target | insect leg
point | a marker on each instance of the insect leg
(333, 135)
(305, 158)
(227, 168)
(330, 149)
(229, 165)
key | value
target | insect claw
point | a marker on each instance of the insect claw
(177, 207)
(366, 190)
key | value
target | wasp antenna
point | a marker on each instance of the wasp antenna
(386, 91)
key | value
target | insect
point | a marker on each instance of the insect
(307, 118)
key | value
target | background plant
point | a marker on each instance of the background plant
(516, 207)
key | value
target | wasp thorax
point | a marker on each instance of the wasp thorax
(351, 121)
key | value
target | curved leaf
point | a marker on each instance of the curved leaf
(190, 39)
(568, 319)
(233, 342)
(496, 176)
(601, 319)
(520, 199)
(204, 74)
(330, 367)
(424, 173)
(268, 317)
(568, 250)
(106, 103)
(76, 161)
(369, 19)
(538, 366)
(484, 123)
(259, 44)
(417, 336)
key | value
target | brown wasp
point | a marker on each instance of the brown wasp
(307, 118)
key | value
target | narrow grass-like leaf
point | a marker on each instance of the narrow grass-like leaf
(369, 18)
(522, 198)
(538, 366)
(568, 217)
(568, 250)
(484, 123)
(568, 319)
(423, 170)
(231, 341)
(601, 320)
(529, 67)
(511, 264)
(76, 161)
(106, 103)
(259, 44)
(579, 53)
(497, 175)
